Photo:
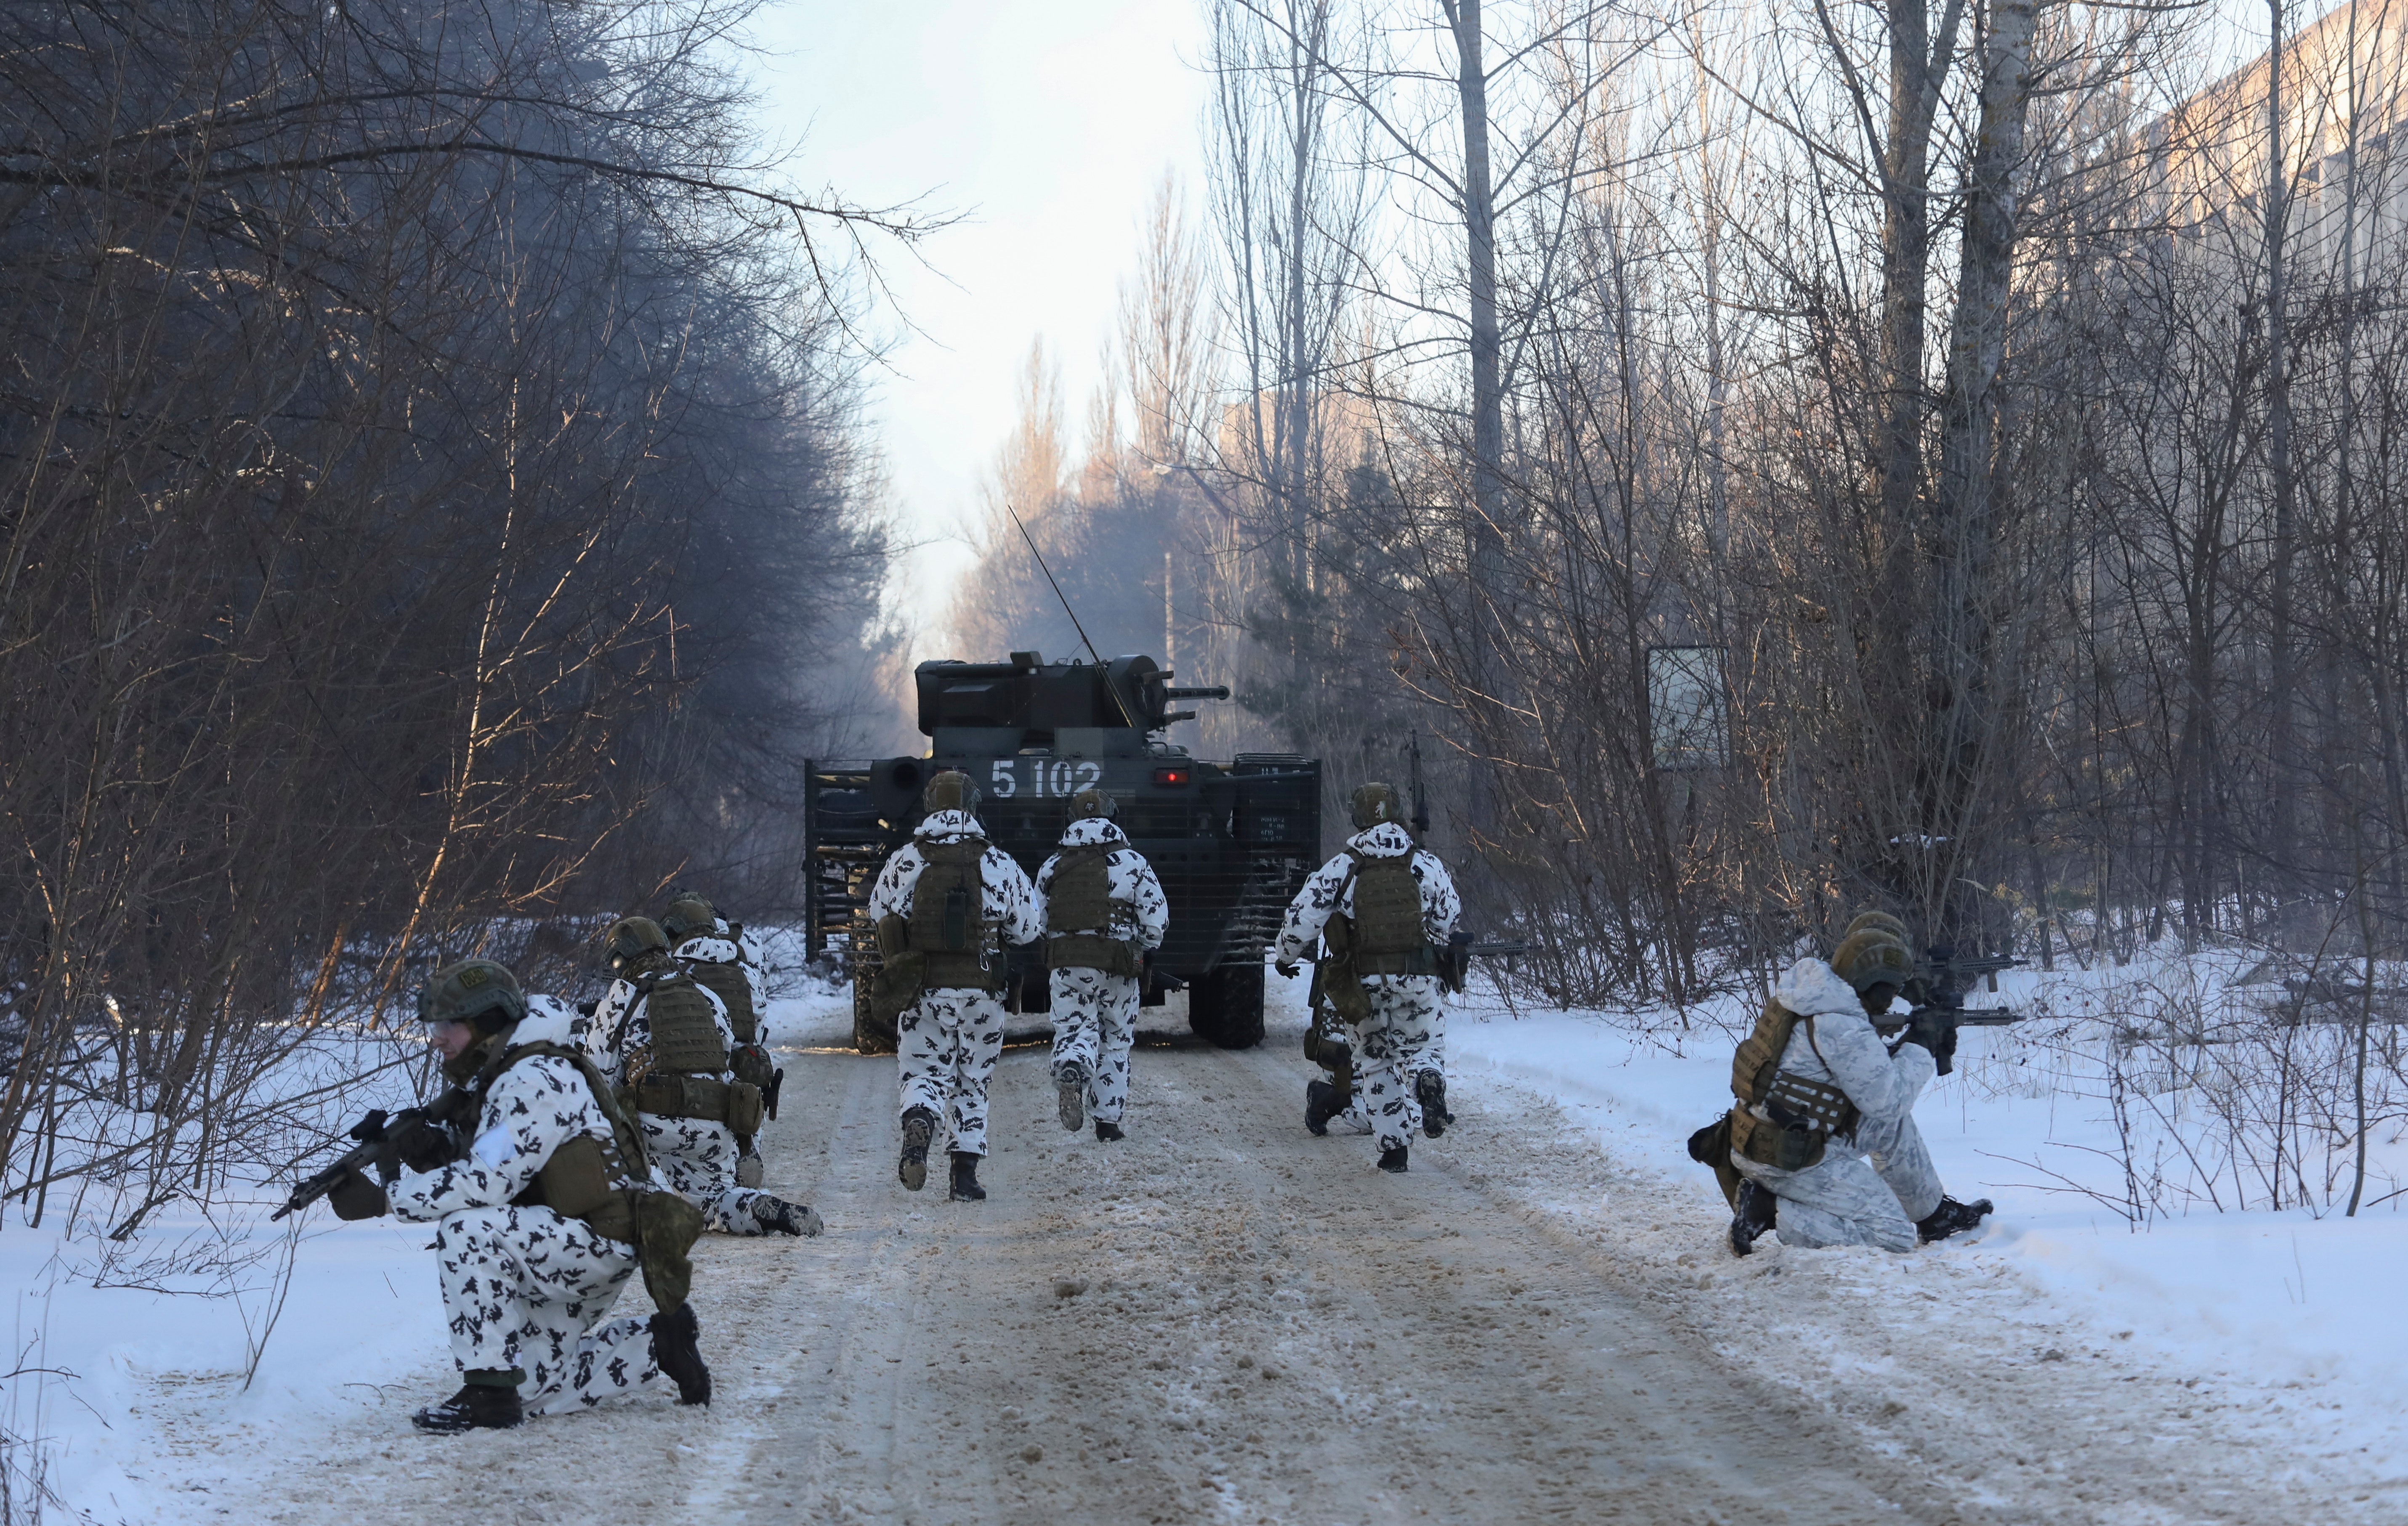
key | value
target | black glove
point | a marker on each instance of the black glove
(421, 1145)
(1935, 1029)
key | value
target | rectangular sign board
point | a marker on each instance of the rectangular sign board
(1688, 713)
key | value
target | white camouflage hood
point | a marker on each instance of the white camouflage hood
(1094, 831)
(1386, 841)
(711, 950)
(1812, 988)
(948, 826)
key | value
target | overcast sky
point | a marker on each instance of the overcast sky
(1049, 121)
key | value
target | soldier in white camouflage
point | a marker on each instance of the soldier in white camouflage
(1104, 913)
(535, 1221)
(1383, 910)
(720, 959)
(665, 1042)
(1822, 1141)
(944, 906)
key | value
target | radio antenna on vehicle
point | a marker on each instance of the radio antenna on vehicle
(1023, 525)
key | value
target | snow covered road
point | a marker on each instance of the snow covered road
(1225, 1318)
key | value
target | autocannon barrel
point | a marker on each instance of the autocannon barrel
(1218, 690)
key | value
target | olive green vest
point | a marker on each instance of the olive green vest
(1384, 935)
(734, 988)
(947, 928)
(1079, 914)
(685, 1035)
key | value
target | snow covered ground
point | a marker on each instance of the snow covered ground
(2291, 1318)
(2258, 1335)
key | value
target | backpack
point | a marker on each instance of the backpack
(947, 928)
(1782, 1120)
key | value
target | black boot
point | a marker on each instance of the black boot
(1070, 1095)
(1392, 1160)
(1430, 1090)
(918, 1125)
(1321, 1105)
(676, 1351)
(478, 1406)
(965, 1186)
(1751, 1216)
(1107, 1133)
(1952, 1217)
(783, 1218)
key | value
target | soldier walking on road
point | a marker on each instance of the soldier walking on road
(716, 956)
(944, 906)
(1104, 912)
(1385, 909)
(665, 1041)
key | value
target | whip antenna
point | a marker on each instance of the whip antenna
(1065, 606)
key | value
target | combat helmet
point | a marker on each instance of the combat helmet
(688, 916)
(1872, 957)
(1094, 804)
(478, 991)
(949, 790)
(1375, 803)
(634, 942)
(1876, 921)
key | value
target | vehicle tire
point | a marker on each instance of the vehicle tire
(1226, 1007)
(869, 1036)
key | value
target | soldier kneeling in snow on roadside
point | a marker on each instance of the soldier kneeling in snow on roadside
(666, 1041)
(1823, 1142)
(538, 1221)
(722, 961)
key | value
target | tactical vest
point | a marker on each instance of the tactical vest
(1783, 1119)
(734, 988)
(585, 1178)
(947, 928)
(1384, 935)
(1079, 914)
(685, 1034)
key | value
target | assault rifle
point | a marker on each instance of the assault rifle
(421, 1138)
(1944, 979)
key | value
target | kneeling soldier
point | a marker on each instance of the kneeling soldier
(944, 906)
(715, 955)
(1385, 909)
(1822, 1137)
(667, 1044)
(536, 1222)
(1104, 912)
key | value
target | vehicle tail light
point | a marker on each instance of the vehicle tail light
(1172, 776)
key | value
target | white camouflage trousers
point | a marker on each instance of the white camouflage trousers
(525, 1288)
(1867, 1192)
(1094, 1023)
(1391, 1048)
(695, 1159)
(946, 1045)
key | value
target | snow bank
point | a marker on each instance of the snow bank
(2300, 1299)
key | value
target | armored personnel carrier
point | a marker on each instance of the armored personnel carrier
(1232, 842)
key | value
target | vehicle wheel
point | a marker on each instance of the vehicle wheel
(869, 1036)
(1226, 1007)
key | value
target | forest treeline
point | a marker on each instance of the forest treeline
(435, 503)
(1998, 402)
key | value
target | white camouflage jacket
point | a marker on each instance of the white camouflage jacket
(1007, 900)
(719, 949)
(635, 1042)
(1140, 912)
(1839, 1046)
(534, 1107)
(1322, 897)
